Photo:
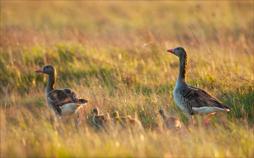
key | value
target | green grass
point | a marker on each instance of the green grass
(113, 54)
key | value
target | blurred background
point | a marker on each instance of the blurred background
(165, 20)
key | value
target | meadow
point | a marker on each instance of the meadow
(114, 55)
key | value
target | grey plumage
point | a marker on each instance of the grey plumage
(62, 101)
(189, 99)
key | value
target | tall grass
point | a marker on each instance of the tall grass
(113, 54)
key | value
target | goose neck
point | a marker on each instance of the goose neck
(51, 82)
(182, 67)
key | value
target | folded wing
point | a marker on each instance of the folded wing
(60, 97)
(199, 98)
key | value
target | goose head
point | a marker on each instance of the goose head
(48, 69)
(161, 112)
(116, 114)
(178, 51)
(95, 111)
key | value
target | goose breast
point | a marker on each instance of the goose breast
(180, 101)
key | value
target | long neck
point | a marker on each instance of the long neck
(51, 82)
(182, 67)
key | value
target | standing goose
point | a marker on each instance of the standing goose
(62, 101)
(189, 99)
(169, 121)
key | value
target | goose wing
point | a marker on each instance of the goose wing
(199, 98)
(71, 94)
(60, 97)
(74, 96)
(99, 120)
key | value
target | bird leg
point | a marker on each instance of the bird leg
(193, 121)
(207, 119)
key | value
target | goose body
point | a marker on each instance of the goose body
(99, 120)
(197, 101)
(192, 100)
(62, 101)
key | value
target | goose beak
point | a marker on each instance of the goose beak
(83, 101)
(171, 51)
(39, 71)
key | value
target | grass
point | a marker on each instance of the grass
(113, 54)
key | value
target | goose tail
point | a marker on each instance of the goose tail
(226, 108)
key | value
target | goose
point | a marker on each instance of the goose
(192, 100)
(124, 121)
(169, 121)
(62, 101)
(134, 122)
(99, 120)
(117, 120)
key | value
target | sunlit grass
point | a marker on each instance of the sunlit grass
(113, 54)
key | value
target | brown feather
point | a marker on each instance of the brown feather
(60, 97)
(199, 98)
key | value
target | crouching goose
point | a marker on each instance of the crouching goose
(62, 101)
(99, 120)
(189, 99)
(127, 120)
(117, 120)
(169, 121)
(132, 121)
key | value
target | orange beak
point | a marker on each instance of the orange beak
(39, 71)
(171, 51)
